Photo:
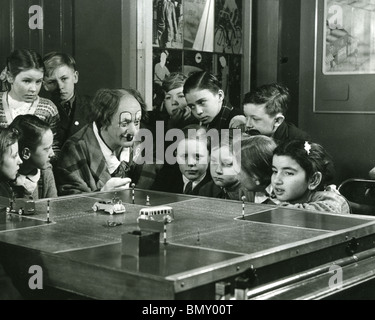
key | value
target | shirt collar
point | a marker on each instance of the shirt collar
(195, 183)
(29, 182)
(110, 158)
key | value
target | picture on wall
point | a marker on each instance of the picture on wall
(228, 26)
(168, 23)
(197, 61)
(349, 37)
(199, 24)
(166, 62)
(228, 71)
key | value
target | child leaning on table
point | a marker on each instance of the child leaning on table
(301, 171)
(35, 177)
(225, 183)
(255, 167)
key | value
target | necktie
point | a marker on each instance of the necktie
(123, 170)
(66, 106)
(189, 187)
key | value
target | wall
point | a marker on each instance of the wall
(348, 137)
(98, 44)
(15, 33)
(275, 47)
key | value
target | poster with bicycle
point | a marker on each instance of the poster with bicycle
(228, 26)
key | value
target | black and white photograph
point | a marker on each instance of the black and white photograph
(187, 157)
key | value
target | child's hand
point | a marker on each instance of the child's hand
(178, 116)
(114, 183)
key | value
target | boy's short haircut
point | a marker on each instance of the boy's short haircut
(173, 81)
(54, 60)
(202, 80)
(199, 133)
(275, 96)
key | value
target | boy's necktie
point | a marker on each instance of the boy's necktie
(189, 187)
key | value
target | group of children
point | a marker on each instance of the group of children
(71, 144)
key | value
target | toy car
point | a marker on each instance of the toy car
(109, 206)
(21, 206)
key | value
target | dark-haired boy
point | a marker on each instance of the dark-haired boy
(265, 109)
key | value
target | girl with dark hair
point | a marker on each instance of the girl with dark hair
(301, 173)
(205, 98)
(35, 177)
(23, 74)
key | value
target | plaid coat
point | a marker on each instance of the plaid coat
(82, 166)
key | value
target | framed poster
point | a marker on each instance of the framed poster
(349, 37)
(344, 57)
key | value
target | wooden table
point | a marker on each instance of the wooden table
(280, 253)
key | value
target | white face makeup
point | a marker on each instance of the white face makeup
(126, 121)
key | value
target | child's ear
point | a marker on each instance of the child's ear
(315, 180)
(279, 119)
(25, 153)
(9, 77)
(221, 95)
(76, 74)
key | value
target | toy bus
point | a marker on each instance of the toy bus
(159, 213)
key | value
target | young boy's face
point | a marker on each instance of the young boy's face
(174, 99)
(61, 82)
(222, 167)
(204, 105)
(193, 158)
(258, 119)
